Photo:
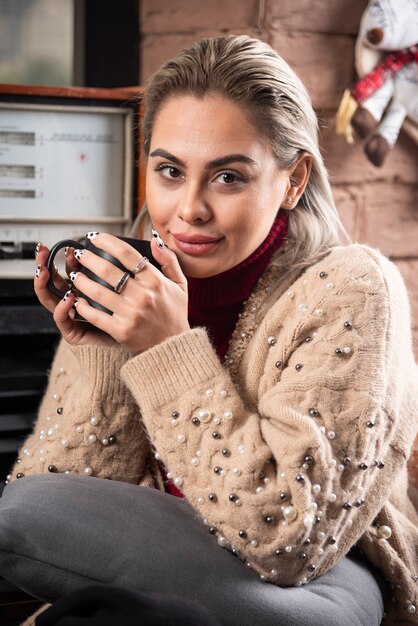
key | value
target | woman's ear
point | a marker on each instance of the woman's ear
(298, 178)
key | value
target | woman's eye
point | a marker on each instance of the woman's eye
(169, 171)
(228, 178)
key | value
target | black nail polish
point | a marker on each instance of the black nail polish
(38, 271)
(160, 242)
(78, 253)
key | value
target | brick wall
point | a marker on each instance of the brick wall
(378, 205)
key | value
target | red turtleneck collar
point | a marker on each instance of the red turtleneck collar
(216, 302)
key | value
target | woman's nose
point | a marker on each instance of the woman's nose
(193, 207)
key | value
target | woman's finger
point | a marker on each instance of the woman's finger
(71, 263)
(126, 254)
(73, 331)
(100, 267)
(170, 265)
(60, 282)
(45, 297)
(95, 291)
(99, 319)
(64, 316)
(41, 254)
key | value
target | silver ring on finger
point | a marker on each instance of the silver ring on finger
(122, 281)
(140, 265)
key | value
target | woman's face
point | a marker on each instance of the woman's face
(213, 185)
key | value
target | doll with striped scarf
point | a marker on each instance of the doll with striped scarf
(386, 96)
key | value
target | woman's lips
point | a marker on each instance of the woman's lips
(195, 244)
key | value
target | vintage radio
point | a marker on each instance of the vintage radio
(69, 164)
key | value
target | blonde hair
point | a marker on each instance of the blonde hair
(251, 74)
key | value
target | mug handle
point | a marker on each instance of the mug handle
(50, 263)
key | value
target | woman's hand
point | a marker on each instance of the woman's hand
(75, 333)
(150, 307)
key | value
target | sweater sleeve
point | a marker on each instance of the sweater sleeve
(292, 482)
(88, 421)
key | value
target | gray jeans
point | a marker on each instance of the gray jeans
(59, 533)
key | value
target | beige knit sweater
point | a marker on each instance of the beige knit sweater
(295, 448)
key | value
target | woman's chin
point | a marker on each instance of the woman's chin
(205, 267)
(193, 272)
(199, 267)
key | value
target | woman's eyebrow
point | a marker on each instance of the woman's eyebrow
(225, 160)
(230, 158)
(166, 155)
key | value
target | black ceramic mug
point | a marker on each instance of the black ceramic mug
(142, 246)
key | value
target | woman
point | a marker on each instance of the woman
(276, 391)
